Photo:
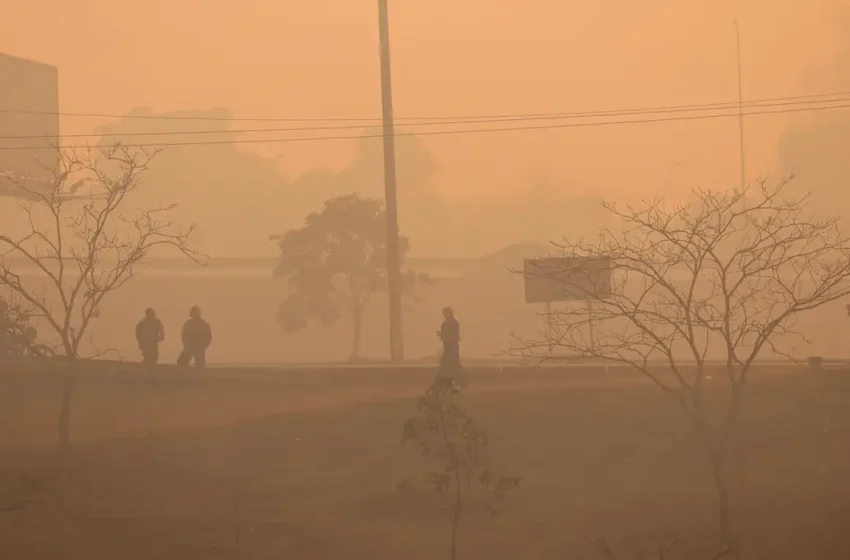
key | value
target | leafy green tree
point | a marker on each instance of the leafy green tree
(335, 263)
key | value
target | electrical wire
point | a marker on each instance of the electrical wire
(716, 105)
(447, 132)
(554, 116)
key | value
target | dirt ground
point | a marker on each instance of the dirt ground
(311, 469)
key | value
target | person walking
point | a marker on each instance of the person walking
(149, 333)
(197, 336)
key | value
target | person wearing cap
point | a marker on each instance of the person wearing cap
(149, 333)
(197, 336)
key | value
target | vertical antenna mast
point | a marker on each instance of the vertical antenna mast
(740, 109)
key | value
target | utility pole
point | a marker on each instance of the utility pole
(740, 109)
(393, 264)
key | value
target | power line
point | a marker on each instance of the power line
(482, 120)
(447, 132)
(716, 105)
(180, 117)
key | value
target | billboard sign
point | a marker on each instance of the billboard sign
(567, 279)
(29, 106)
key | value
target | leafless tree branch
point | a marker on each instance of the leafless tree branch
(87, 245)
(728, 273)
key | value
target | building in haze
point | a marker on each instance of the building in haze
(29, 106)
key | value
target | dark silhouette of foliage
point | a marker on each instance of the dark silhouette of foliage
(444, 432)
(334, 263)
(245, 183)
(18, 338)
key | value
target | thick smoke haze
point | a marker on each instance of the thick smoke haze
(583, 323)
(816, 148)
(449, 60)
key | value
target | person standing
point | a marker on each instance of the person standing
(197, 336)
(449, 334)
(149, 333)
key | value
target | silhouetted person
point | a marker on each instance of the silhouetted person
(197, 336)
(449, 333)
(149, 333)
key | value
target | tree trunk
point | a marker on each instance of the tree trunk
(357, 319)
(721, 486)
(717, 453)
(64, 427)
(457, 511)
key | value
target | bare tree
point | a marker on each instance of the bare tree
(722, 278)
(84, 246)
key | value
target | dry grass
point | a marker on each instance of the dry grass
(307, 469)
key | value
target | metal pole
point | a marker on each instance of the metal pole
(393, 264)
(740, 107)
(549, 333)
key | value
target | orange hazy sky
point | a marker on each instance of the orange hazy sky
(452, 57)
